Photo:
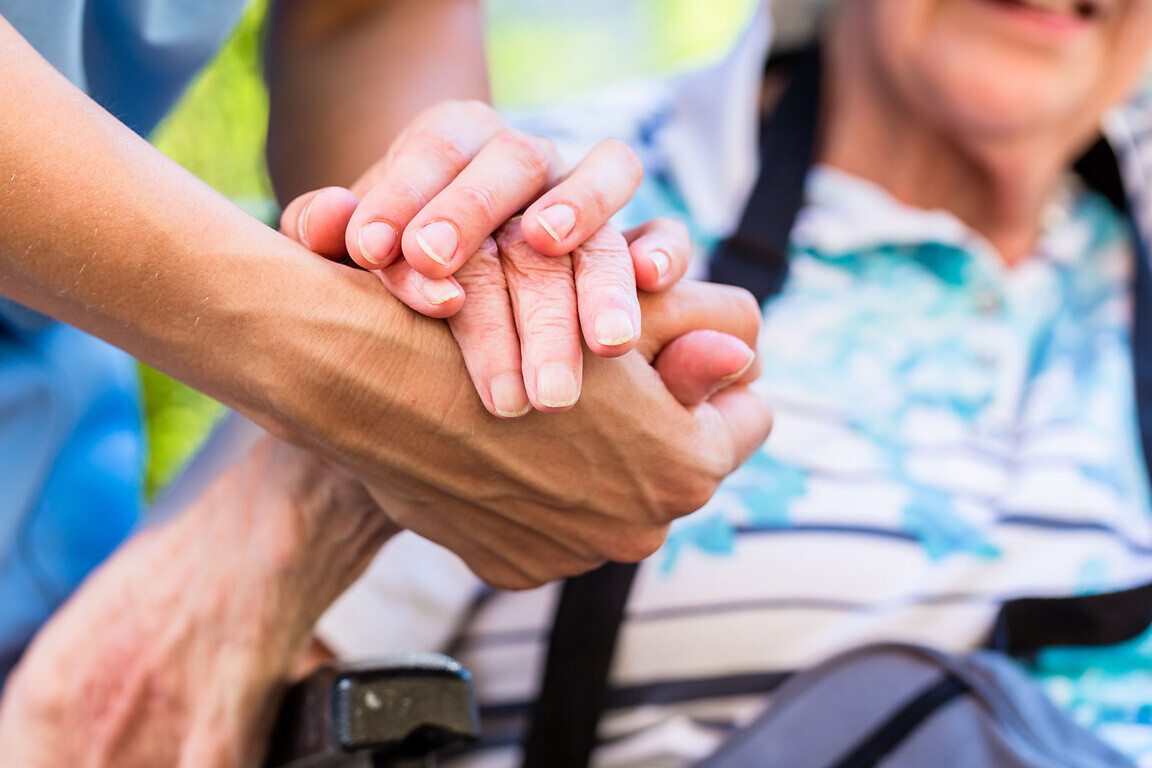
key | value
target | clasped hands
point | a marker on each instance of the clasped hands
(431, 220)
(173, 653)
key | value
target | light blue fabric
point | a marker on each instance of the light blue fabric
(71, 459)
(71, 433)
(134, 57)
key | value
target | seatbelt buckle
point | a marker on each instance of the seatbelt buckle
(389, 713)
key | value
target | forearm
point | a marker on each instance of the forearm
(345, 76)
(175, 651)
(101, 231)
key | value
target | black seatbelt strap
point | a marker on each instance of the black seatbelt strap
(562, 730)
(1027, 625)
(756, 256)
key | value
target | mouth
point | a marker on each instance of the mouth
(1084, 10)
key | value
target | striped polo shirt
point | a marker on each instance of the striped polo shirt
(950, 433)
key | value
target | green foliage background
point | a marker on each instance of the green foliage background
(217, 132)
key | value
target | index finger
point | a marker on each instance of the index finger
(424, 162)
(572, 211)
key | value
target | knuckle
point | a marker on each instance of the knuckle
(548, 147)
(483, 286)
(693, 496)
(528, 151)
(548, 328)
(475, 108)
(529, 269)
(447, 148)
(605, 269)
(573, 565)
(601, 200)
(605, 242)
(508, 579)
(637, 544)
(748, 313)
(402, 192)
(606, 283)
(476, 202)
(482, 272)
(692, 490)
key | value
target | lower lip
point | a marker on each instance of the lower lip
(1048, 23)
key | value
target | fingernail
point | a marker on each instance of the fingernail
(614, 327)
(302, 222)
(376, 241)
(661, 261)
(439, 241)
(556, 385)
(725, 381)
(558, 221)
(439, 290)
(509, 396)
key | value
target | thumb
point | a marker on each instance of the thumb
(698, 364)
(317, 220)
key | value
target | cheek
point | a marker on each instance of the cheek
(1129, 47)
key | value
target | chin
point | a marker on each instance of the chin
(962, 85)
(1004, 108)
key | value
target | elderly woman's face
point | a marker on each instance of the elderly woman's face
(1006, 67)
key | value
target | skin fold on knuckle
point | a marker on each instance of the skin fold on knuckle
(482, 279)
(401, 193)
(534, 276)
(475, 203)
(448, 150)
(469, 111)
(702, 464)
(550, 151)
(488, 345)
(529, 153)
(636, 544)
(748, 314)
(607, 274)
(484, 285)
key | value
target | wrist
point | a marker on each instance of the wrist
(357, 376)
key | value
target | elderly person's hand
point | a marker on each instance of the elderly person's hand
(174, 652)
(524, 312)
(458, 167)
